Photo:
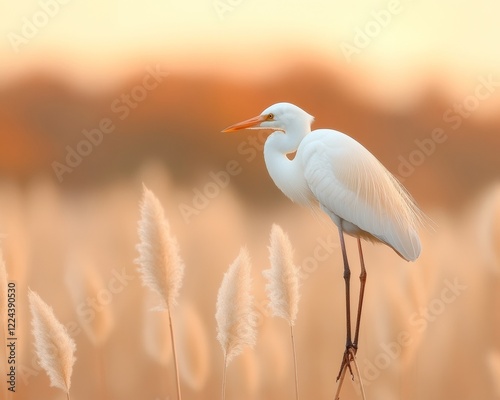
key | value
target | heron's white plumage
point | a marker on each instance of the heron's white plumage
(357, 191)
(335, 171)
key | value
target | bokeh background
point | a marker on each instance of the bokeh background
(99, 97)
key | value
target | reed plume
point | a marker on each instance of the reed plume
(234, 312)
(84, 282)
(54, 347)
(283, 286)
(160, 265)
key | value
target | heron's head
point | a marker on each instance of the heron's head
(278, 117)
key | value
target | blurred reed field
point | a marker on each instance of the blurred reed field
(104, 99)
(424, 325)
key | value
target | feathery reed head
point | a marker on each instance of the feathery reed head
(54, 347)
(84, 282)
(283, 277)
(234, 313)
(160, 265)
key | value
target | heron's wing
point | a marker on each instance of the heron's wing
(352, 184)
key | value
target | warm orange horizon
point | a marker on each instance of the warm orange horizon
(393, 41)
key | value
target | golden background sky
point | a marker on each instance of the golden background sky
(90, 39)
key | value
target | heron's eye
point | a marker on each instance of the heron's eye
(270, 117)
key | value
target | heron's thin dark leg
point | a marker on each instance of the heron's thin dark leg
(362, 279)
(347, 276)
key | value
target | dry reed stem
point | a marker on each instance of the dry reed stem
(160, 265)
(295, 364)
(54, 347)
(234, 311)
(224, 372)
(283, 286)
(172, 336)
(156, 333)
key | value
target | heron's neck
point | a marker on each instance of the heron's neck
(287, 174)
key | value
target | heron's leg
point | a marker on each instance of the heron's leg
(362, 279)
(347, 276)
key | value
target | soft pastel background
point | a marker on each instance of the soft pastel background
(421, 91)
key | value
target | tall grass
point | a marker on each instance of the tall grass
(283, 286)
(156, 332)
(160, 265)
(403, 301)
(84, 282)
(54, 347)
(234, 311)
(157, 342)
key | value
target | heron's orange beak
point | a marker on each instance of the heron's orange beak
(247, 124)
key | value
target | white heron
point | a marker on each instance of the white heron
(334, 171)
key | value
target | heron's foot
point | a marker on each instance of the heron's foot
(349, 353)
